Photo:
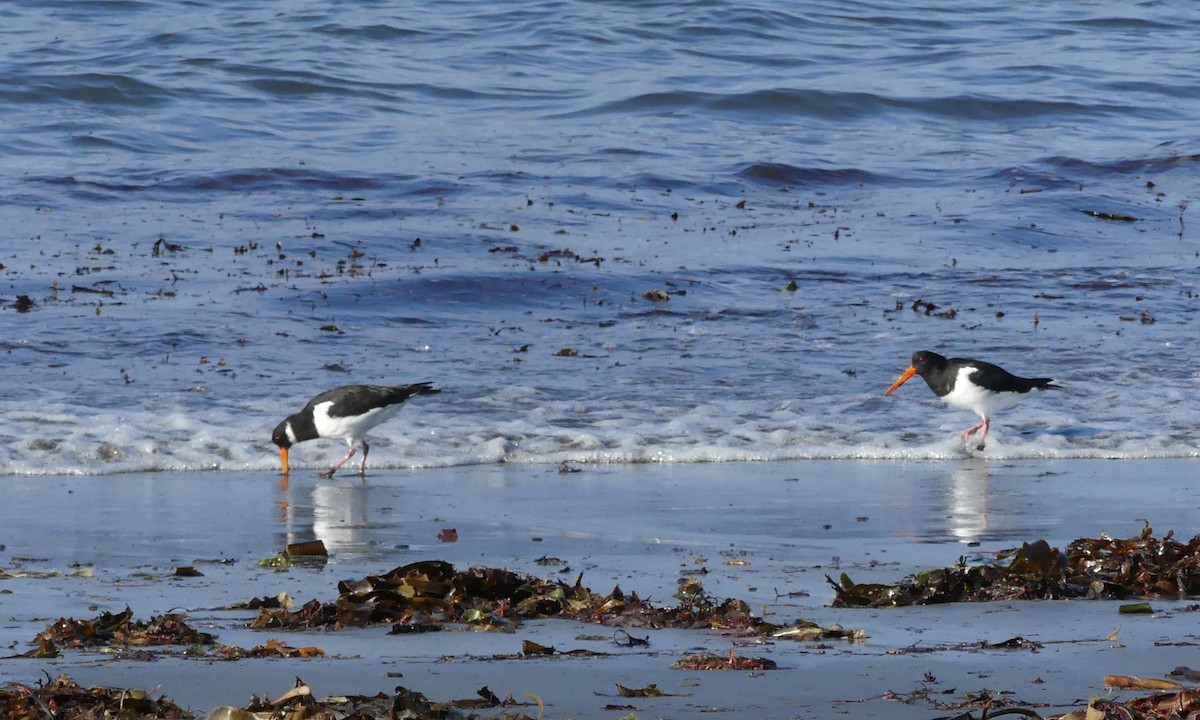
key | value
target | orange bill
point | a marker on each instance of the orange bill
(899, 381)
(283, 456)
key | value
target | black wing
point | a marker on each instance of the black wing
(359, 399)
(997, 379)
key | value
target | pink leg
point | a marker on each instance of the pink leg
(973, 429)
(984, 426)
(362, 469)
(329, 473)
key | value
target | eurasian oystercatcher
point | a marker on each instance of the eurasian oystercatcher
(348, 413)
(971, 384)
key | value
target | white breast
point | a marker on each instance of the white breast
(351, 428)
(970, 396)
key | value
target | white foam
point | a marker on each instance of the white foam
(69, 440)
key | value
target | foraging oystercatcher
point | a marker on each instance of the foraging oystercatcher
(348, 413)
(971, 384)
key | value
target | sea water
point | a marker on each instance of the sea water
(609, 231)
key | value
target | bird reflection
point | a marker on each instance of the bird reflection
(968, 501)
(337, 514)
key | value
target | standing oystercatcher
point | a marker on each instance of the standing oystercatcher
(348, 413)
(971, 384)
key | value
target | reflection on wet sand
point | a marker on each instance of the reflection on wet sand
(968, 512)
(338, 514)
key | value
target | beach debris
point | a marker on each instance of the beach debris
(161, 245)
(23, 304)
(301, 702)
(920, 305)
(1117, 217)
(1013, 643)
(278, 561)
(307, 551)
(650, 690)
(95, 291)
(44, 648)
(448, 535)
(657, 296)
(259, 288)
(811, 631)
(39, 574)
(121, 629)
(64, 699)
(1159, 706)
(622, 638)
(532, 650)
(282, 600)
(529, 647)
(430, 594)
(1142, 566)
(70, 701)
(271, 648)
(1186, 673)
(708, 661)
(300, 689)
(1129, 682)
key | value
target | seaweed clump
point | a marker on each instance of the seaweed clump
(1142, 566)
(426, 596)
(116, 629)
(65, 699)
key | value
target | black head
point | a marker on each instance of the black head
(280, 436)
(925, 360)
(923, 363)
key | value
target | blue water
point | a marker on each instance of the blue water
(215, 209)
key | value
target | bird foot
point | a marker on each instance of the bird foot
(984, 426)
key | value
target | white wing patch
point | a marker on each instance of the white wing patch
(970, 396)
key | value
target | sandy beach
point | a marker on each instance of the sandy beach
(662, 261)
(764, 533)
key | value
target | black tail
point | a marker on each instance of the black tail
(400, 393)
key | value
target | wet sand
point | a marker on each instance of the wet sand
(765, 533)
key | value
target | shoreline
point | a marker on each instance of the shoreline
(765, 533)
